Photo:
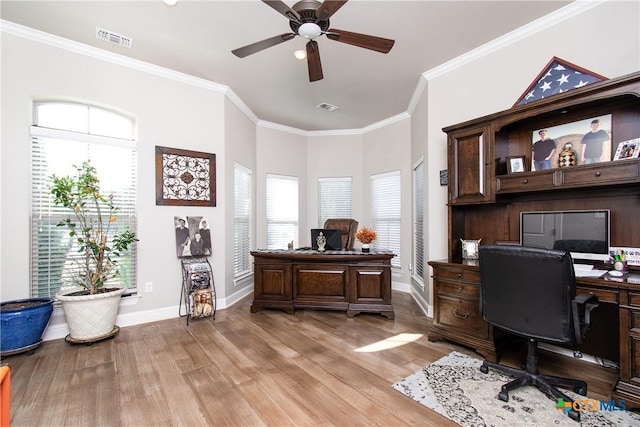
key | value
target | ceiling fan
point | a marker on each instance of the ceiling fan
(310, 19)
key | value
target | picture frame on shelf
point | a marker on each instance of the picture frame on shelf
(470, 248)
(629, 149)
(185, 177)
(590, 138)
(516, 164)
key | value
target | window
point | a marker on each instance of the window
(67, 134)
(418, 222)
(334, 198)
(241, 221)
(386, 207)
(282, 211)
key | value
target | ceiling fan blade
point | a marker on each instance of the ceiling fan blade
(241, 52)
(313, 61)
(378, 44)
(282, 8)
(328, 8)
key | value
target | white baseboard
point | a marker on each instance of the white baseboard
(58, 328)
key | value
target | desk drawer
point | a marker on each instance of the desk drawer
(600, 175)
(527, 181)
(462, 315)
(458, 290)
(454, 274)
(634, 299)
(602, 294)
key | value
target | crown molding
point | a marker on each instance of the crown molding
(125, 61)
(567, 12)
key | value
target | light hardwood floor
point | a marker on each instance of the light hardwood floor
(243, 369)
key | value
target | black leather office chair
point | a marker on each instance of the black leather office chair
(531, 292)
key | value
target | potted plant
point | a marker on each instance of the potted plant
(366, 236)
(90, 307)
(23, 322)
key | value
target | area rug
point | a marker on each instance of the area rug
(454, 387)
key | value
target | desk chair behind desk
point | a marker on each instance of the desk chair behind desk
(531, 292)
(347, 227)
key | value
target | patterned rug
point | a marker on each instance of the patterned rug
(454, 387)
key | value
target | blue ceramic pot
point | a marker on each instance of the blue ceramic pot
(23, 322)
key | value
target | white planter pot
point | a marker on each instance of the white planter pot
(91, 316)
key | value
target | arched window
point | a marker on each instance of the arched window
(65, 134)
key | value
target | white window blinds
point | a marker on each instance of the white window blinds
(55, 151)
(334, 198)
(418, 221)
(282, 211)
(242, 221)
(386, 212)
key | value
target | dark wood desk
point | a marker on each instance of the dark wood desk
(615, 332)
(350, 281)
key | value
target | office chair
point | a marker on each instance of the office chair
(531, 293)
(347, 226)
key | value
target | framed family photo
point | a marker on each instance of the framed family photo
(516, 164)
(589, 138)
(628, 149)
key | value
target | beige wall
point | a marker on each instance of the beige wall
(334, 156)
(281, 153)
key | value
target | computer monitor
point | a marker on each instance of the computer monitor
(334, 238)
(584, 233)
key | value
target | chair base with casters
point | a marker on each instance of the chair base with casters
(530, 377)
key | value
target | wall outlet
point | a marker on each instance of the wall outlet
(148, 287)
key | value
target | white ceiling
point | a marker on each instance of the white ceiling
(196, 38)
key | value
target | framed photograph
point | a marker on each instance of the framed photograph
(516, 164)
(590, 139)
(193, 236)
(628, 149)
(470, 248)
(185, 178)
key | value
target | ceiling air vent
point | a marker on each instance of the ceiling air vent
(326, 107)
(114, 38)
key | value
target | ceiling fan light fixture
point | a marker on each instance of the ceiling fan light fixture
(300, 54)
(309, 30)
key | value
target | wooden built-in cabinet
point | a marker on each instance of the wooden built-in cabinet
(469, 170)
(485, 202)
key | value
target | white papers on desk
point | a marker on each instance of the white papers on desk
(586, 270)
(590, 273)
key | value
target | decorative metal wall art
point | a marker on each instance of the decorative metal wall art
(185, 178)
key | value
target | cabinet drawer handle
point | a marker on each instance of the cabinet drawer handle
(525, 181)
(460, 316)
(459, 275)
(598, 173)
(461, 288)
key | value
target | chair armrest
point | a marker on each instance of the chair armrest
(581, 323)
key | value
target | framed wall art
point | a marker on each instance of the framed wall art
(185, 178)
